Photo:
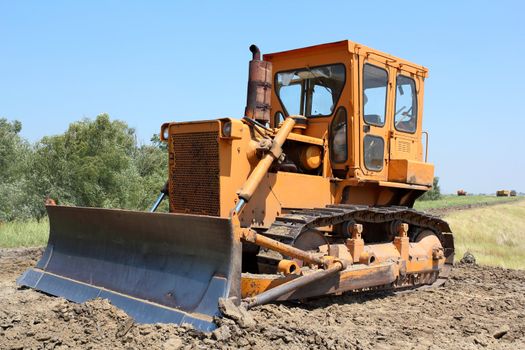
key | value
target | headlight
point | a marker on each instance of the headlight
(227, 129)
(165, 133)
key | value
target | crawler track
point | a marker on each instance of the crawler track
(289, 226)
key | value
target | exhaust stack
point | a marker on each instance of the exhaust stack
(259, 88)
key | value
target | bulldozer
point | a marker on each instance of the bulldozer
(309, 194)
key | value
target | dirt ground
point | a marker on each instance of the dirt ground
(480, 307)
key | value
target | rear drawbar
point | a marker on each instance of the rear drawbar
(168, 268)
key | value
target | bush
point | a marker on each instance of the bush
(434, 193)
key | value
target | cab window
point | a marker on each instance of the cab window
(374, 149)
(338, 137)
(312, 92)
(405, 118)
(375, 82)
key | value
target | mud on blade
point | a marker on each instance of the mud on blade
(169, 268)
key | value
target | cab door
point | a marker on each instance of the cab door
(374, 121)
(405, 137)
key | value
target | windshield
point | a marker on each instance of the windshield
(312, 92)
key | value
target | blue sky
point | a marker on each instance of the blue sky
(148, 62)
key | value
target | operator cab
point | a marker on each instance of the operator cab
(365, 104)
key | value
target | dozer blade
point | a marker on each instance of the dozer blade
(167, 268)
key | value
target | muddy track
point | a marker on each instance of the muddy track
(480, 307)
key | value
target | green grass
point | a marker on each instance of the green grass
(24, 233)
(455, 201)
(495, 234)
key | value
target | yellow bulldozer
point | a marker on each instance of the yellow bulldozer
(309, 194)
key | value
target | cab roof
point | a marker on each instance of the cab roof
(354, 48)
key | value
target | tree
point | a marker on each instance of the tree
(11, 148)
(155, 141)
(95, 163)
(434, 193)
(151, 163)
(89, 165)
(15, 154)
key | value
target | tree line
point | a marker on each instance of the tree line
(94, 163)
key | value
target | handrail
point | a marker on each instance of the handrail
(426, 145)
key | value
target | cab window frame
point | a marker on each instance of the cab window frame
(341, 109)
(415, 100)
(303, 97)
(378, 137)
(386, 95)
(277, 118)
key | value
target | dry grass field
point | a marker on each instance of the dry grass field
(495, 235)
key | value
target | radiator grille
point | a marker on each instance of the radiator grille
(194, 185)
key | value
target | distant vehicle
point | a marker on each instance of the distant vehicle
(513, 193)
(462, 193)
(504, 193)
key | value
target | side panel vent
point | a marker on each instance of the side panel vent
(403, 146)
